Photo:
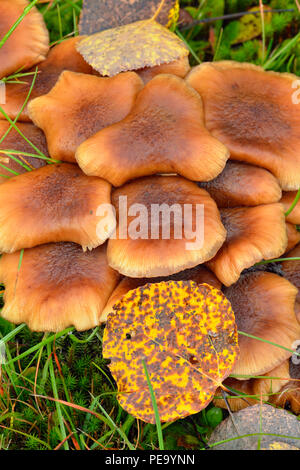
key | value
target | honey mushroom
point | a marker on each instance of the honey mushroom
(252, 112)
(58, 285)
(250, 239)
(28, 44)
(154, 252)
(52, 204)
(16, 163)
(163, 133)
(79, 105)
(62, 56)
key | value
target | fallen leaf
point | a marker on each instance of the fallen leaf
(250, 26)
(98, 15)
(187, 336)
(131, 47)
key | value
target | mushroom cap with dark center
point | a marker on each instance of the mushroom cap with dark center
(241, 184)
(56, 286)
(164, 133)
(252, 112)
(291, 269)
(79, 105)
(28, 44)
(13, 141)
(250, 238)
(179, 67)
(199, 274)
(264, 306)
(287, 200)
(158, 245)
(63, 56)
(52, 204)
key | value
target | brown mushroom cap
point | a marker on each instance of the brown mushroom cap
(250, 238)
(62, 57)
(57, 286)
(164, 133)
(13, 141)
(199, 274)
(264, 389)
(179, 67)
(293, 236)
(79, 105)
(252, 112)
(162, 254)
(29, 42)
(291, 269)
(52, 204)
(287, 200)
(264, 306)
(241, 184)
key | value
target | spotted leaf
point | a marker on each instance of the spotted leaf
(131, 47)
(185, 333)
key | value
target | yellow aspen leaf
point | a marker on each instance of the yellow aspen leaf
(131, 47)
(186, 335)
(98, 15)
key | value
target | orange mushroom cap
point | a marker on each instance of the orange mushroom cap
(252, 112)
(241, 184)
(291, 269)
(199, 274)
(179, 67)
(164, 133)
(13, 141)
(287, 200)
(63, 56)
(157, 246)
(293, 236)
(28, 44)
(56, 286)
(250, 238)
(79, 105)
(264, 306)
(264, 388)
(52, 204)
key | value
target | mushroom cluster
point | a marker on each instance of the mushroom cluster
(222, 136)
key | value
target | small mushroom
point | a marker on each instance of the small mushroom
(287, 200)
(293, 236)
(199, 274)
(29, 42)
(291, 269)
(264, 307)
(79, 105)
(158, 239)
(14, 142)
(56, 286)
(179, 67)
(250, 238)
(241, 184)
(289, 394)
(63, 56)
(52, 204)
(265, 389)
(252, 112)
(163, 133)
